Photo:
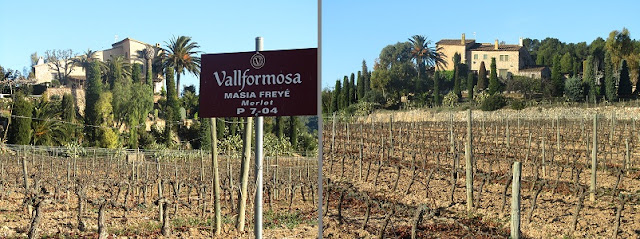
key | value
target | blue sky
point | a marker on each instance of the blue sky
(218, 26)
(357, 30)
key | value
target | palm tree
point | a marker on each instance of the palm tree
(85, 60)
(424, 55)
(148, 53)
(47, 130)
(181, 54)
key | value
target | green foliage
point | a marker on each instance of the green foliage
(556, 78)
(181, 55)
(450, 99)
(566, 63)
(494, 84)
(92, 95)
(293, 131)
(47, 130)
(108, 138)
(172, 107)
(344, 97)
(395, 73)
(493, 102)
(609, 81)
(518, 104)
(279, 127)
(20, 128)
(204, 134)
(482, 77)
(457, 75)
(436, 89)
(335, 98)
(352, 89)
(624, 85)
(574, 89)
(470, 85)
(374, 96)
(524, 85)
(589, 79)
(480, 97)
(360, 86)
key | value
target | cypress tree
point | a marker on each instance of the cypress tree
(345, 93)
(293, 132)
(609, 81)
(365, 78)
(436, 88)
(360, 85)
(92, 95)
(352, 90)
(204, 134)
(589, 79)
(624, 86)
(20, 128)
(494, 84)
(470, 86)
(279, 127)
(482, 77)
(136, 73)
(172, 108)
(556, 78)
(335, 98)
(456, 75)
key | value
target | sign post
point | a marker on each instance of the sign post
(257, 214)
(258, 84)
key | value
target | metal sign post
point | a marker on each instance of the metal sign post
(256, 84)
(258, 200)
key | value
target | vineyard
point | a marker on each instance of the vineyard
(92, 192)
(390, 178)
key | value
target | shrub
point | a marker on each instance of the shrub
(481, 97)
(450, 100)
(518, 104)
(574, 89)
(493, 102)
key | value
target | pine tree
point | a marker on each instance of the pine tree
(20, 128)
(92, 95)
(624, 85)
(456, 75)
(609, 80)
(335, 98)
(436, 88)
(494, 84)
(482, 77)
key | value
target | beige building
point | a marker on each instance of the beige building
(510, 59)
(130, 49)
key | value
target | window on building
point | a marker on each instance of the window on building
(484, 57)
(502, 73)
(475, 56)
(504, 57)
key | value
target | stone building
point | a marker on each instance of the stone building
(130, 49)
(510, 59)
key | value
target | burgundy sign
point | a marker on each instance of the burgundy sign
(266, 83)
